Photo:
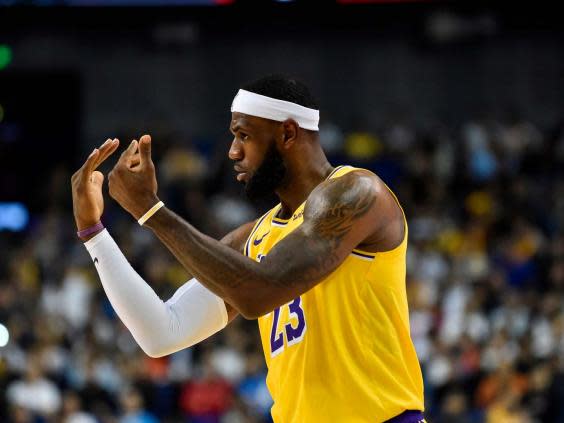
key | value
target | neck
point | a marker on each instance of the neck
(302, 177)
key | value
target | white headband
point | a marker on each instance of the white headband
(271, 108)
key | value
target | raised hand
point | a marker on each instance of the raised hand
(132, 181)
(87, 198)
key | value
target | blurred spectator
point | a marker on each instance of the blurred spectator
(206, 398)
(133, 408)
(455, 409)
(485, 280)
(72, 410)
(252, 388)
(34, 392)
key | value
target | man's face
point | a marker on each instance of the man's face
(258, 163)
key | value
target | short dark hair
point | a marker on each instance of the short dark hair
(283, 88)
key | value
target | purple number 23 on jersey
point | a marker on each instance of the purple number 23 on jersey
(294, 334)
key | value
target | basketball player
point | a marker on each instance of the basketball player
(323, 271)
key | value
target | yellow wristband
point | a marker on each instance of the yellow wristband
(149, 213)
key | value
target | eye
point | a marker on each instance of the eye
(243, 136)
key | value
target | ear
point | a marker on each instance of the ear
(290, 132)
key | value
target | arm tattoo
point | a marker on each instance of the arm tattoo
(349, 202)
(293, 266)
(329, 216)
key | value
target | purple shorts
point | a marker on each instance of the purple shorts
(409, 416)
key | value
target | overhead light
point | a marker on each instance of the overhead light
(4, 335)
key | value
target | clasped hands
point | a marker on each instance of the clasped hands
(132, 182)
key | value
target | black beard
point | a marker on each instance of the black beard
(268, 177)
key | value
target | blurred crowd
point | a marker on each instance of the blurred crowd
(485, 205)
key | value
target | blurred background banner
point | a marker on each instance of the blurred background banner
(458, 106)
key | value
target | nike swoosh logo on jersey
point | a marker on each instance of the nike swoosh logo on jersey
(258, 241)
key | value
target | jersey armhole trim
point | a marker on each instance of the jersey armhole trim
(370, 254)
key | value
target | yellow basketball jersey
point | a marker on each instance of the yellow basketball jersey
(340, 352)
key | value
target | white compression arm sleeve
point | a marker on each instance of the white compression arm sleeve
(192, 314)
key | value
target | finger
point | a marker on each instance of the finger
(88, 165)
(145, 149)
(111, 148)
(134, 161)
(97, 178)
(129, 151)
(106, 150)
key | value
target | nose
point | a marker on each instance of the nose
(235, 151)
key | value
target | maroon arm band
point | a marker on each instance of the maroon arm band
(90, 230)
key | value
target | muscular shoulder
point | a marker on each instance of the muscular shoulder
(353, 193)
(356, 188)
(359, 202)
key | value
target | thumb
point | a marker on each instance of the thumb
(97, 178)
(145, 149)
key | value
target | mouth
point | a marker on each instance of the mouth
(241, 174)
